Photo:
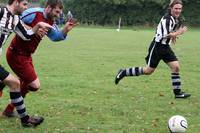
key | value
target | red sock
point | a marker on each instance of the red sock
(10, 108)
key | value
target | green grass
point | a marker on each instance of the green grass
(78, 94)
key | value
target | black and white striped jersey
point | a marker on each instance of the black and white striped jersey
(11, 23)
(167, 25)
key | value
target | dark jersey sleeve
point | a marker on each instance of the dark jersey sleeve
(1, 12)
(22, 31)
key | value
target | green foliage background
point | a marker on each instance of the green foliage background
(133, 12)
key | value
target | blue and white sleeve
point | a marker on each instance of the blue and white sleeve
(55, 34)
(28, 16)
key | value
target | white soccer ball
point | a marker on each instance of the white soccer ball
(177, 124)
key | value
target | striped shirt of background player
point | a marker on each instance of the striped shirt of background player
(167, 25)
(10, 23)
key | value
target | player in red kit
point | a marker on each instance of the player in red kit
(10, 22)
(19, 53)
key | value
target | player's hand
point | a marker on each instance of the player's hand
(177, 33)
(41, 32)
(71, 23)
(174, 40)
(42, 25)
(184, 29)
(45, 26)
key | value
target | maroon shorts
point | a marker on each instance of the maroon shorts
(21, 65)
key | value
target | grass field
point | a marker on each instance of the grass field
(78, 94)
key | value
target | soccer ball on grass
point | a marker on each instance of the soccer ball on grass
(177, 124)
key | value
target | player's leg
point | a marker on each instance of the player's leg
(17, 100)
(176, 80)
(22, 66)
(25, 89)
(134, 71)
(24, 69)
(170, 58)
(19, 65)
(34, 85)
(9, 110)
(152, 61)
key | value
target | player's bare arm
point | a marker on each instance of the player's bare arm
(42, 25)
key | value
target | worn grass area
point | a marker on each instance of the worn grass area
(78, 94)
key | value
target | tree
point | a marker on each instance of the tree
(132, 12)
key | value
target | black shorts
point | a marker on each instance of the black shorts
(157, 52)
(3, 73)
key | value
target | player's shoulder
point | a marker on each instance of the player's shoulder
(33, 10)
(167, 16)
(2, 8)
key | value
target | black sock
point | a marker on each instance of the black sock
(135, 71)
(176, 83)
(18, 102)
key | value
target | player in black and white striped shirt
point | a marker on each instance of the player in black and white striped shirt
(10, 22)
(168, 30)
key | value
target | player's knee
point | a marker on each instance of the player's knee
(148, 71)
(34, 87)
(14, 84)
(175, 69)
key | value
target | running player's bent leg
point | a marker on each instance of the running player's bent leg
(25, 88)
(152, 59)
(23, 67)
(176, 80)
(134, 71)
(15, 96)
(35, 85)
(18, 102)
(148, 70)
